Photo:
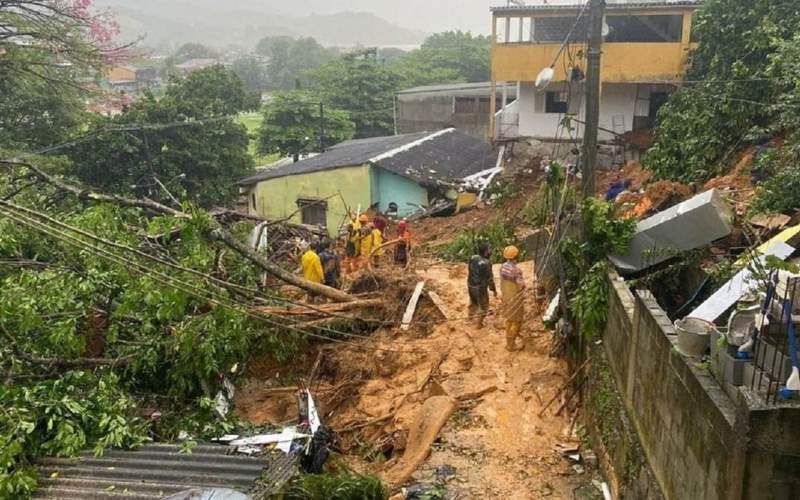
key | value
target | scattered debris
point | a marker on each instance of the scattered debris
(209, 494)
(770, 222)
(739, 285)
(691, 224)
(551, 313)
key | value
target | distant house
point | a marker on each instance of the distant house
(464, 106)
(132, 80)
(394, 174)
(193, 65)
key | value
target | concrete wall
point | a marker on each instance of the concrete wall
(429, 113)
(618, 105)
(277, 198)
(698, 442)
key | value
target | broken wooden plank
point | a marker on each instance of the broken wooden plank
(439, 303)
(412, 306)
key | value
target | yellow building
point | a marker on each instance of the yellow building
(644, 56)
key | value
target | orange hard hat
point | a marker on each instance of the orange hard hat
(363, 218)
(510, 252)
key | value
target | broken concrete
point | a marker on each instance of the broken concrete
(686, 226)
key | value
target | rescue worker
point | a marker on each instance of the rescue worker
(330, 264)
(377, 245)
(402, 252)
(353, 235)
(512, 287)
(380, 223)
(365, 243)
(479, 281)
(312, 268)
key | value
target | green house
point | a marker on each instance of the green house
(397, 175)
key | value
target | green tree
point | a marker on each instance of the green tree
(728, 106)
(290, 59)
(189, 51)
(363, 86)
(34, 113)
(451, 56)
(252, 71)
(187, 141)
(292, 125)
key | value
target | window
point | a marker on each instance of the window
(651, 29)
(555, 29)
(393, 208)
(555, 102)
(313, 212)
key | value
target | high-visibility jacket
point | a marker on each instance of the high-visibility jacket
(312, 267)
(377, 241)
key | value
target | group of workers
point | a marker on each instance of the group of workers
(321, 264)
(364, 245)
(480, 281)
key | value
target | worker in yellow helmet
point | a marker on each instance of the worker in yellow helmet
(512, 286)
(311, 266)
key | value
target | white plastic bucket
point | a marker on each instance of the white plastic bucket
(694, 336)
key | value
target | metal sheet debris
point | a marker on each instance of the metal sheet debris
(288, 434)
(686, 226)
(734, 289)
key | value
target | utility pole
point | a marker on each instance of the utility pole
(321, 127)
(592, 96)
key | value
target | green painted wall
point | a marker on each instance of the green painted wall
(390, 187)
(277, 198)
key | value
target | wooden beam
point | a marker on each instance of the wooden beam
(412, 306)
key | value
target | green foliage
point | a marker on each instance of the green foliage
(341, 485)
(32, 115)
(497, 233)
(61, 417)
(450, 56)
(189, 141)
(364, 87)
(290, 59)
(252, 71)
(732, 104)
(292, 124)
(604, 233)
(502, 191)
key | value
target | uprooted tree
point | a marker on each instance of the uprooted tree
(112, 302)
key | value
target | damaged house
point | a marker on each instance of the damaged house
(397, 175)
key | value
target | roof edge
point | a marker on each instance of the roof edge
(409, 146)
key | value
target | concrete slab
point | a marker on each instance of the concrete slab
(688, 225)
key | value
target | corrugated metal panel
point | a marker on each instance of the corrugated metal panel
(610, 4)
(157, 471)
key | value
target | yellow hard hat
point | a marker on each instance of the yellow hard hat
(363, 218)
(510, 252)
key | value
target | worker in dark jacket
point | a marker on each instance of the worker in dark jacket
(330, 264)
(479, 281)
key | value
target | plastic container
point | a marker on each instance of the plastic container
(694, 336)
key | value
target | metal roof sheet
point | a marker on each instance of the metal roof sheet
(157, 471)
(478, 87)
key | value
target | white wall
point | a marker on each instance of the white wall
(617, 103)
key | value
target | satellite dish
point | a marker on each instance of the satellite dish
(544, 78)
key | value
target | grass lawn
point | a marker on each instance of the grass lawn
(252, 121)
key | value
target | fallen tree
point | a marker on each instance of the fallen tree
(214, 231)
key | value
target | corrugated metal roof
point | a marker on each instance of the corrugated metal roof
(157, 471)
(610, 4)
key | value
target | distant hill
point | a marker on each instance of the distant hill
(166, 24)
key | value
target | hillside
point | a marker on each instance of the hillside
(166, 24)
